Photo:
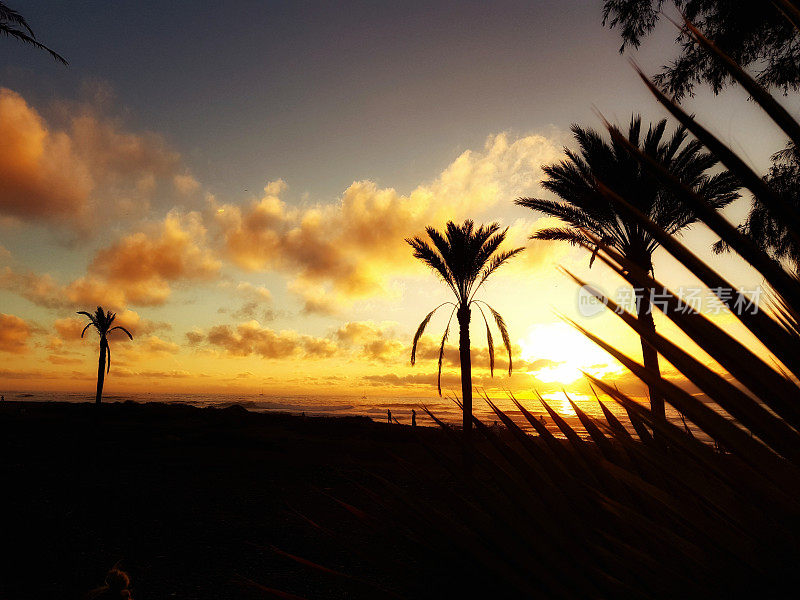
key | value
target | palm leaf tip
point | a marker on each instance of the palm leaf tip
(501, 325)
(489, 341)
(128, 333)
(441, 358)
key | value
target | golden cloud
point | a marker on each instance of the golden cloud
(375, 340)
(251, 338)
(14, 334)
(138, 269)
(63, 174)
(349, 249)
(142, 265)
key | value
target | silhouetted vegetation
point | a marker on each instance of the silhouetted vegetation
(581, 182)
(13, 24)
(758, 33)
(464, 258)
(769, 231)
(648, 510)
(102, 321)
(641, 509)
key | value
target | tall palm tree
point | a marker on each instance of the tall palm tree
(13, 24)
(102, 321)
(464, 258)
(584, 207)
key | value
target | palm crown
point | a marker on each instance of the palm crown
(585, 207)
(102, 321)
(464, 258)
(589, 215)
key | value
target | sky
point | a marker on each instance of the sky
(236, 182)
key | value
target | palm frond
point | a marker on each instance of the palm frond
(434, 260)
(489, 341)
(421, 330)
(501, 325)
(562, 234)
(9, 18)
(441, 352)
(497, 261)
(128, 333)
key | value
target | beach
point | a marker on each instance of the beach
(189, 501)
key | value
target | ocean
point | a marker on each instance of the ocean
(373, 406)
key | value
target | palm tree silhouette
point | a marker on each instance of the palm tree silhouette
(13, 24)
(102, 321)
(464, 258)
(586, 209)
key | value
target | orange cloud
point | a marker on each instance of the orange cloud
(42, 176)
(195, 337)
(348, 250)
(138, 269)
(69, 329)
(39, 289)
(250, 338)
(63, 174)
(376, 341)
(14, 334)
(142, 265)
(155, 345)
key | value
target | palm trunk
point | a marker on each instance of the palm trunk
(649, 354)
(466, 370)
(101, 370)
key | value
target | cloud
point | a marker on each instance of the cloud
(176, 374)
(60, 359)
(154, 345)
(68, 333)
(14, 334)
(142, 265)
(251, 338)
(39, 375)
(449, 380)
(69, 329)
(195, 337)
(428, 350)
(140, 268)
(257, 293)
(257, 299)
(42, 290)
(185, 183)
(64, 174)
(348, 250)
(376, 341)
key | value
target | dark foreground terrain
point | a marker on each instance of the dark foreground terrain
(190, 501)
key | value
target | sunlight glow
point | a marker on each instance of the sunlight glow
(558, 353)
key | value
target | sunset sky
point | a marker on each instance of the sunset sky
(236, 181)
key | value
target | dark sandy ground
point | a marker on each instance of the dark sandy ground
(189, 500)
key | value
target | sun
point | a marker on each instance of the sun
(558, 354)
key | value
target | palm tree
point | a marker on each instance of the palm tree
(464, 258)
(102, 321)
(13, 24)
(585, 208)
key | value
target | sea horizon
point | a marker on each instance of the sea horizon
(374, 407)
